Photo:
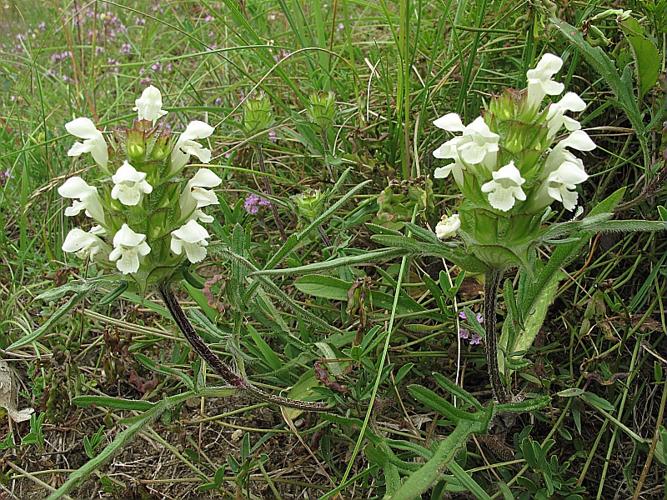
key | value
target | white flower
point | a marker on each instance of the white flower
(129, 185)
(149, 105)
(480, 145)
(561, 183)
(477, 145)
(448, 226)
(85, 198)
(505, 187)
(195, 195)
(187, 145)
(128, 246)
(539, 79)
(192, 238)
(93, 143)
(449, 150)
(556, 115)
(85, 244)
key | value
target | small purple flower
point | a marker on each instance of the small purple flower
(5, 175)
(462, 315)
(218, 101)
(157, 67)
(126, 49)
(341, 26)
(253, 202)
(41, 26)
(475, 339)
(209, 18)
(273, 137)
(140, 21)
(464, 334)
(169, 68)
(114, 64)
(145, 80)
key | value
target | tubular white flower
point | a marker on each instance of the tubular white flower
(556, 115)
(149, 105)
(479, 144)
(448, 226)
(85, 244)
(561, 183)
(186, 145)
(85, 198)
(191, 238)
(128, 248)
(195, 195)
(539, 79)
(93, 143)
(505, 188)
(129, 185)
(449, 150)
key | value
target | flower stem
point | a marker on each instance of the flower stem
(491, 285)
(225, 371)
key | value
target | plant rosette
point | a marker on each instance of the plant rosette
(147, 218)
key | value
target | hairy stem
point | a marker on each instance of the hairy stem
(225, 371)
(492, 282)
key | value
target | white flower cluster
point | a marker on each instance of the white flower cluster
(131, 186)
(478, 148)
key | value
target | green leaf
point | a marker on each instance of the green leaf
(114, 403)
(456, 391)
(268, 355)
(606, 68)
(431, 471)
(441, 405)
(328, 287)
(467, 481)
(597, 401)
(534, 309)
(51, 321)
(570, 393)
(646, 55)
(525, 406)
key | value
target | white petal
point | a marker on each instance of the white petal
(84, 128)
(195, 253)
(501, 199)
(176, 245)
(578, 140)
(509, 172)
(75, 187)
(197, 130)
(443, 172)
(472, 153)
(571, 102)
(127, 237)
(191, 232)
(450, 122)
(75, 240)
(127, 173)
(205, 178)
(128, 263)
(79, 148)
